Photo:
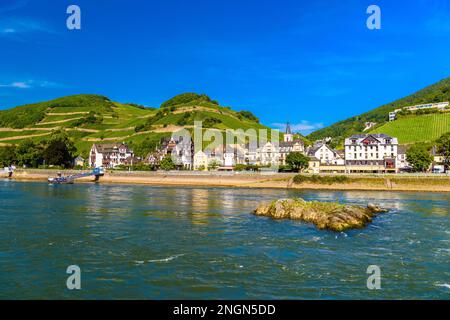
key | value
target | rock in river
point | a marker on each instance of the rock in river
(325, 215)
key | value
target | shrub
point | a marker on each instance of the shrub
(184, 120)
(167, 163)
(248, 115)
(299, 179)
(210, 122)
(186, 98)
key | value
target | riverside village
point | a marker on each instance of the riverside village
(361, 153)
(236, 150)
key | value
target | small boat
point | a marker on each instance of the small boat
(60, 180)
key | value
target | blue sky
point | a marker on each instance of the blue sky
(308, 62)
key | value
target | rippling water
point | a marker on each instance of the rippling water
(142, 242)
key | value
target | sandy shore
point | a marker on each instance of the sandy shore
(426, 183)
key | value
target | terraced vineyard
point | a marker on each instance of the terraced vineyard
(92, 119)
(413, 129)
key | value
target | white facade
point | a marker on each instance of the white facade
(228, 159)
(109, 155)
(392, 116)
(200, 160)
(326, 155)
(180, 148)
(401, 161)
(438, 105)
(269, 154)
(372, 152)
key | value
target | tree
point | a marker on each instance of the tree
(167, 163)
(59, 150)
(248, 115)
(213, 165)
(143, 148)
(29, 153)
(297, 161)
(443, 145)
(7, 156)
(419, 157)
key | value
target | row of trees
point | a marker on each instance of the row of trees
(57, 150)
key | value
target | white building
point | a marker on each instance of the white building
(371, 153)
(392, 116)
(109, 155)
(200, 160)
(438, 105)
(180, 148)
(269, 154)
(401, 161)
(326, 155)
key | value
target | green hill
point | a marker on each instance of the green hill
(92, 119)
(437, 92)
(411, 129)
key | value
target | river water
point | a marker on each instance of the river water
(142, 242)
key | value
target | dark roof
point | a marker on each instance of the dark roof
(288, 128)
(313, 150)
(375, 135)
(401, 149)
(110, 147)
(316, 147)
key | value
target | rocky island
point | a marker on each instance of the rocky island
(325, 215)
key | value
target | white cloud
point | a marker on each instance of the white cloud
(30, 84)
(304, 127)
(20, 85)
(13, 27)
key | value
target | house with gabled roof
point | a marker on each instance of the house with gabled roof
(371, 153)
(326, 155)
(109, 155)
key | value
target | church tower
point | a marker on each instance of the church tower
(288, 136)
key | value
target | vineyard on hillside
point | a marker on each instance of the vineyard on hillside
(413, 129)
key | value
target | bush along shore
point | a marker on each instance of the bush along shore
(299, 179)
(325, 215)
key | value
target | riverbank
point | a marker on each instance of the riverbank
(402, 182)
